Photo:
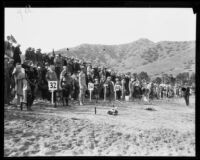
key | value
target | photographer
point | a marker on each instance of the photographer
(31, 76)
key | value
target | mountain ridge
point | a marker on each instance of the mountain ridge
(169, 57)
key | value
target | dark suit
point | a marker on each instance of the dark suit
(186, 94)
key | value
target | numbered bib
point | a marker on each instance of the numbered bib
(90, 86)
(52, 85)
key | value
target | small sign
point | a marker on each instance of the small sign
(105, 85)
(91, 86)
(52, 85)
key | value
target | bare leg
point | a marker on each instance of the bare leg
(80, 98)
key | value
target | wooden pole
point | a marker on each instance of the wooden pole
(52, 102)
(115, 95)
(90, 95)
(105, 93)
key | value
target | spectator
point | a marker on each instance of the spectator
(43, 83)
(51, 76)
(75, 92)
(32, 81)
(96, 89)
(186, 93)
(82, 85)
(58, 65)
(118, 89)
(19, 75)
(66, 83)
(109, 88)
(76, 66)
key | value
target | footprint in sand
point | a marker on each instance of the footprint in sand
(23, 148)
(15, 140)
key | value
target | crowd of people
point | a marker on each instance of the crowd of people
(24, 82)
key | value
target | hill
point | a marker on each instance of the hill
(171, 57)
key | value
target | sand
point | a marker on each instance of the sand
(167, 130)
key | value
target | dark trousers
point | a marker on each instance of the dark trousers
(118, 95)
(44, 93)
(66, 93)
(30, 96)
(101, 92)
(186, 97)
(75, 93)
(49, 96)
(162, 93)
(109, 95)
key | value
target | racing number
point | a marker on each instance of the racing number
(53, 85)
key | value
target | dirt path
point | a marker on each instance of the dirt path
(76, 130)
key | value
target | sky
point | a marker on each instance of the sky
(57, 28)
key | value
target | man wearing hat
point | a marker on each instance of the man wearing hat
(82, 85)
(43, 84)
(186, 93)
(32, 80)
(52, 76)
(58, 64)
(19, 76)
(118, 88)
(109, 89)
(76, 66)
(66, 83)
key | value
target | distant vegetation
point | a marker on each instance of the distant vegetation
(140, 55)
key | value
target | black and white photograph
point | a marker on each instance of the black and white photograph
(99, 81)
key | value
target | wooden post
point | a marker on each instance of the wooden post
(52, 102)
(105, 93)
(90, 95)
(115, 95)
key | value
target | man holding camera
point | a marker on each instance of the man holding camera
(31, 77)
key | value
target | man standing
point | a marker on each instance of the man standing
(118, 88)
(31, 76)
(43, 84)
(58, 65)
(109, 88)
(51, 76)
(66, 85)
(186, 93)
(82, 85)
(75, 82)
